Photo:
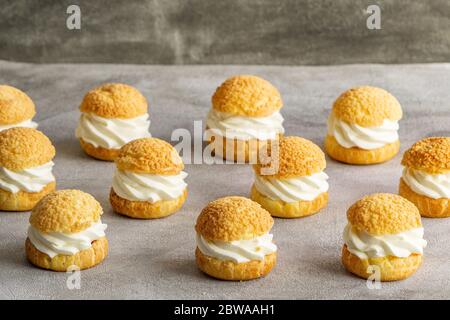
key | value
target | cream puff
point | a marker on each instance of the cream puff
(245, 114)
(111, 116)
(383, 237)
(233, 240)
(363, 126)
(426, 176)
(149, 180)
(26, 164)
(16, 109)
(65, 231)
(298, 186)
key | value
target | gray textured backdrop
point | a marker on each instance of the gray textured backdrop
(226, 32)
(154, 259)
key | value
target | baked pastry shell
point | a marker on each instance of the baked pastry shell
(298, 209)
(357, 155)
(83, 259)
(228, 270)
(144, 209)
(99, 153)
(22, 200)
(428, 207)
(390, 268)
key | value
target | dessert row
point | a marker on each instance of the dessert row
(244, 124)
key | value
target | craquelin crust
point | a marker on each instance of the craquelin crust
(240, 151)
(83, 259)
(15, 105)
(428, 207)
(233, 218)
(228, 270)
(247, 95)
(431, 155)
(22, 200)
(360, 156)
(99, 152)
(296, 157)
(281, 209)
(383, 213)
(22, 148)
(114, 100)
(68, 211)
(149, 155)
(391, 268)
(144, 209)
(367, 106)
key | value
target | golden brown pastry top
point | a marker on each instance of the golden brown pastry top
(233, 218)
(247, 95)
(297, 157)
(114, 100)
(67, 211)
(149, 155)
(383, 213)
(22, 148)
(431, 155)
(15, 105)
(367, 106)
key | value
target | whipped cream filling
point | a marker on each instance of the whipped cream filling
(111, 133)
(304, 188)
(24, 124)
(148, 187)
(244, 128)
(55, 243)
(430, 185)
(30, 179)
(238, 251)
(402, 245)
(351, 135)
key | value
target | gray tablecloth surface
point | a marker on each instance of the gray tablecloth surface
(155, 259)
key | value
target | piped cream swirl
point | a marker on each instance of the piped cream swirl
(351, 135)
(304, 188)
(430, 185)
(29, 180)
(55, 243)
(238, 251)
(111, 133)
(245, 128)
(24, 124)
(148, 187)
(402, 245)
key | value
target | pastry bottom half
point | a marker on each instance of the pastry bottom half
(99, 152)
(228, 270)
(83, 259)
(357, 155)
(428, 207)
(22, 200)
(281, 209)
(240, 151)
(144, 209)
(391, 268)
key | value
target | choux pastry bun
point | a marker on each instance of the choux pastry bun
(383, 238)
(149, 180)
(244, 117)
(363, 126)
(66, 232)
(425, 179)
(111, 116)
(233, 240)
